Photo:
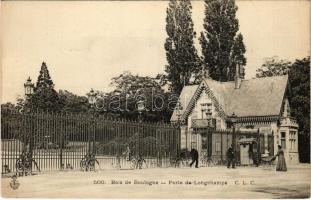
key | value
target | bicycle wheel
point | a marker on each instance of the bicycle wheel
(144, 161)
(28, 167)
(178, 163)
(91, 165)
(133, 165)
(202, 162)
(83, 165)
(139, 164)
(19, 166)
(210, 162)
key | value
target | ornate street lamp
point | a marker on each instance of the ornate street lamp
(92, 100)
(140, 108)
(27, 152)
(29, 87)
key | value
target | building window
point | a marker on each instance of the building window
(194, 141)
(292, 139)
(206, 109)
(283, 140)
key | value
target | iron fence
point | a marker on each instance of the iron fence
(217, 141)
(60, 141)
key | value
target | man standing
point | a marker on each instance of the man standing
(231, 157)
(195, 158)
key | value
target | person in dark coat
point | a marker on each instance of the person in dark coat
(195, 158)
(231, 157)
(281, 165)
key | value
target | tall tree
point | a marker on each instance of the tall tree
(222, 46)
(44, 97)
(44, 79)
(181, 54)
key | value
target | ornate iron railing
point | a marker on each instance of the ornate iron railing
(58, 141)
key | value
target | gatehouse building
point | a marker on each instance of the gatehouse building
(260, 109)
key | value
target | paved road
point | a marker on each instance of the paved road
(210, 182)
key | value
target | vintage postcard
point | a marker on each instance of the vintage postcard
(173, 99)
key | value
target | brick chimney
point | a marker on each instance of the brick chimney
(237, 78)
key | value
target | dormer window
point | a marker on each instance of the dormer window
(206, 108)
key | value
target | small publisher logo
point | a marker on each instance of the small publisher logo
(14, 184)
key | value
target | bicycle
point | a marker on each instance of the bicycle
(182, 159)
(24, 164)
(179, 162)
(207, 161)
(137, 162)
(211, 162)
(88, 163)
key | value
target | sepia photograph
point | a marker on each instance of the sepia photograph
(147, 99)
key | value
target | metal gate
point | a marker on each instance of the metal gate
(217, 142)
(59, 141)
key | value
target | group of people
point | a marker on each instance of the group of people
(231, 158)
(281, 164)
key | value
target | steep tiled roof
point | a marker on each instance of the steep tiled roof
(255, 97)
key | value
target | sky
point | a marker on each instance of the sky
(85, 44)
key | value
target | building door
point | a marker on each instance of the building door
(207, 140)
(244, 154)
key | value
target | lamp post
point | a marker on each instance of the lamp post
(28, 138)
(178, 109)
(29, 90)
(233, 120)
(92, 100)
(140, 109)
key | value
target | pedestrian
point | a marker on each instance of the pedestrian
(195, 158)
(281, 165)
(231, 157)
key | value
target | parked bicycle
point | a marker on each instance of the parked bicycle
(207, 161)
(24, 164)
(182, 160)
(88, 162)
(179, 162)
(138, 161)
